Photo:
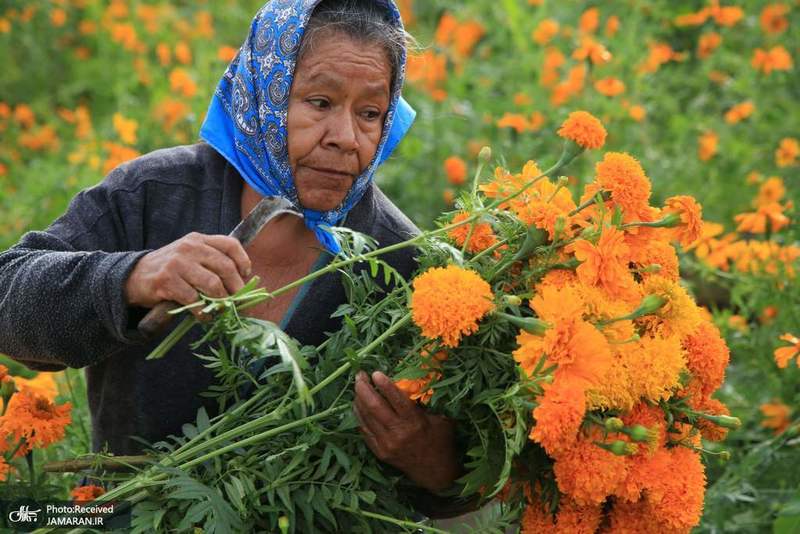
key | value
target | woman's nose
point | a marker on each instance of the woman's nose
(341, 131)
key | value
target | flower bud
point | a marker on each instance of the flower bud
(7, 388)
(485, 154)
(725, 456)
(725, 421)
(641, 433)
(619, 447)
(614, 424)
(283, 524)
(532, 325)
(512, 300)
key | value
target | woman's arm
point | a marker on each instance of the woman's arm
(61, 290)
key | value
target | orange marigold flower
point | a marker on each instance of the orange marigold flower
(84, 494)
(776, 58)
(583, 129)
(783, 355)
(545, 31)
(180, 82)
(707, 145)
(418, 389)
(771, 190)
(227, 53)
(24, 116)
(707, 43)
(448, 302)
(58, 17)
(606, 263)
(679, 316)
(36, 419)
(776, 416)
(455, 169)
(579, 349)
(609, 86)
(125, 128)
(573, 518)
(676, 500)
(707, 357)
(739, 112)
(708, 429)
(621, 175)
(516, 121)
(590, 20)
(654, 366)
(536, 519)
(589, 486)
(787, 152)
(655, 253)
(637, 112)
(612, 26)
(183, 53)
(756, 222)
(726, 15)
(691, 213)
(559, 416)
(773, 18)
(482, 236)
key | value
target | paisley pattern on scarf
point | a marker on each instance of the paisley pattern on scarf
(247, 118)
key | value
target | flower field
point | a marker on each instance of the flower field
(630, 316)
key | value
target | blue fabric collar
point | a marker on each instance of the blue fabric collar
(247, 117)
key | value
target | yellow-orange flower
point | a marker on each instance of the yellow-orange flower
(783, 355)
(609, 86)
(637, 112)
(606, 263)
(621, 175)
(707, 43)
(707, 357)
(756, 222)
(448, 302)
(707, 145)
(676, 500)
(482, 235)
(589, 486)
(34, 418)
(739, 112)
(773, 18)
(125, 128)
(579, 349)
(776, 58)
(679, 316)
(691, 226)
(573, 518)
(545, 31)
(771, 190)
(584, 129)
(83, 494)
(787, 152)
(559, 416)
(455, 169)
(776, 416)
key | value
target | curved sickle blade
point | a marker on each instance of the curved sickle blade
(267, 209)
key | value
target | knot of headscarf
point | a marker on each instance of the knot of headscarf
(247, 119)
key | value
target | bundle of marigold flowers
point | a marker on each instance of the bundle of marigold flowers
(552, 329)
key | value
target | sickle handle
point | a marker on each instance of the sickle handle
(157, 319)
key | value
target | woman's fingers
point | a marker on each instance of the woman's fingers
(233, 249)
(400, 403)
(374, 409)
(223, 266)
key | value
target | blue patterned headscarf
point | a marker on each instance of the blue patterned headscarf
(247, 118)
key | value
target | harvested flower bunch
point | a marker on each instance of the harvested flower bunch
(552, 328)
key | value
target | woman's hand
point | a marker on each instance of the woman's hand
(401, 434)
(213, 264)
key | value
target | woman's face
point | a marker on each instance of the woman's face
(337, 105)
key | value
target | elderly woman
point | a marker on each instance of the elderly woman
(308, 110)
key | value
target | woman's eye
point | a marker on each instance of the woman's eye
(371, 114)
(319, 103)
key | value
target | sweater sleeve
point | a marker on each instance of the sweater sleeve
(62, 289)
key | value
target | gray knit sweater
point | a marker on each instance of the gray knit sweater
(61, 290)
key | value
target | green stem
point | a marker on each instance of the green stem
(398, 522)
